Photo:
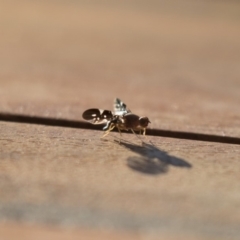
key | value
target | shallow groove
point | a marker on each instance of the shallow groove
(85, 125)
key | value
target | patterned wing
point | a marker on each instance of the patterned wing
(120, 108)
(97, 116)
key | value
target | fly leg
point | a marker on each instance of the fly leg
(112, 126)
(144, 131)
(119, 131)
(136, 135)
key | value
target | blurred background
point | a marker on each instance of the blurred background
(160, 57)
(177, 62)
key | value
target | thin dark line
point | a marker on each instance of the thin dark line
(85, 125)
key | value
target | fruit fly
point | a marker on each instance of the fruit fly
(121, 118)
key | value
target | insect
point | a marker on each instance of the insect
(121, 118)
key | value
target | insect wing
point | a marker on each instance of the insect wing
(120, 108)
(97, 116)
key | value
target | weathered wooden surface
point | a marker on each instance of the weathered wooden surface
(33, 231)
(176, 62)
(70, 177)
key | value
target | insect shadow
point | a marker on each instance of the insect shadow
(152, 160)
